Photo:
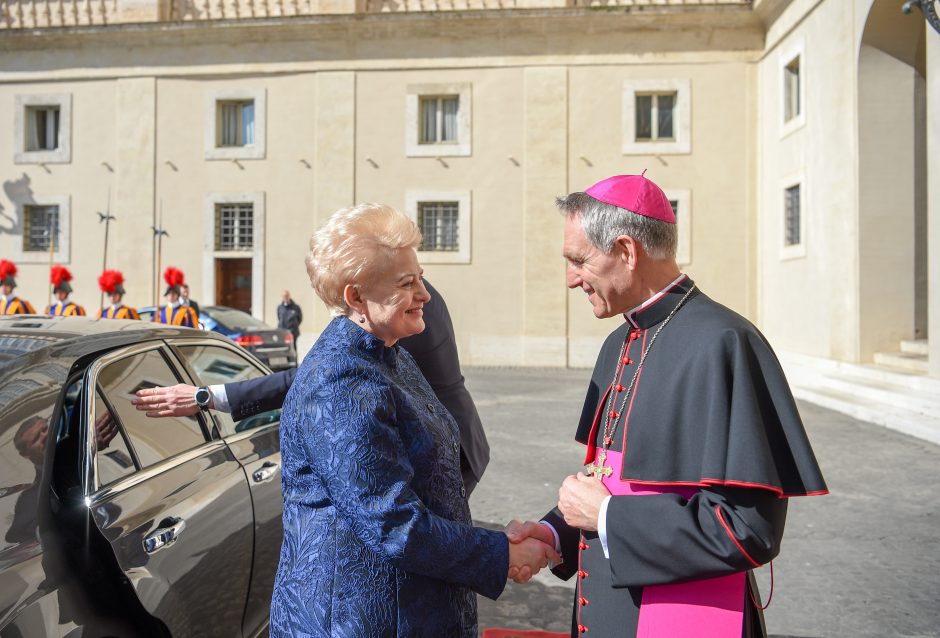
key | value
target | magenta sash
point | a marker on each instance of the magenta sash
(709, 608)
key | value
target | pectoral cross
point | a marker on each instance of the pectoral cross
(599, 470)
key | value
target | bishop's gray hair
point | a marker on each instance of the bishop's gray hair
(604, 223)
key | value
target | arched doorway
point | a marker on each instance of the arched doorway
(892, 166)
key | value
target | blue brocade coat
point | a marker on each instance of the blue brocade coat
(378, 539)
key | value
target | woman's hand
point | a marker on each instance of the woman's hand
(527, 557)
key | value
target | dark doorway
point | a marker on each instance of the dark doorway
(233, 283)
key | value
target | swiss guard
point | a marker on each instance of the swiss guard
(174, 313)
(63, 306)
(111, 283)
(10, 304)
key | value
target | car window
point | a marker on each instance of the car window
(215, 365)
(153, 439)
(113, 457)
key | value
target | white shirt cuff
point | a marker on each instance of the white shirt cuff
(602, 526)
(219, 398)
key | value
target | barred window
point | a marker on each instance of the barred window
(234, 227)
(791, 211)
(655, 115)
(439, 119)
(40, 224)
(42, 128)
(438, 224)
(236, 122)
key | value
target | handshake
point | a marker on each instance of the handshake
(531, 547)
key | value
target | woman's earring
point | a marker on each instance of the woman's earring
(362, 319)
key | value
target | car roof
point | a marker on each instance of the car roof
(37, 352)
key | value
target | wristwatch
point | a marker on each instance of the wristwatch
(203, 396)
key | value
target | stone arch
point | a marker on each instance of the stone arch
(892, 179)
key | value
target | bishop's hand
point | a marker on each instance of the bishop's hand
(580, 498)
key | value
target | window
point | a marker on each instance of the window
(681, 202)
(656, 117)
(792, 68)
(42, 128)
(444, 220)
(236, 123)
(792, 232)
(438, 224)
(40, 224)
(213, 365)
(791, 90)
(437, 120)
(153, 440)
(234, 226)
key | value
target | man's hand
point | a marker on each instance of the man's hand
(176, 400)
(579, 499)
(105, 430)
(527, 557)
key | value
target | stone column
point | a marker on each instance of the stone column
(933, 199)
(544, 341)
(135, 138)
(334, 156)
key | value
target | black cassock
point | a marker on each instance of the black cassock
(711, 409)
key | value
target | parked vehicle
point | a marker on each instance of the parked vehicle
(116, 524)
(274, 346)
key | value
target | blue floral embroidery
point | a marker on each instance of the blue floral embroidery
(378, 540)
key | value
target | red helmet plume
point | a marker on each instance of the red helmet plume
(173, 277)
(111, 281)
(7, 269)
(58, 274)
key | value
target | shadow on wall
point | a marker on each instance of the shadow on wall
(19, 191)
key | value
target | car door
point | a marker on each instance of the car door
(255, 442)
(173, 505)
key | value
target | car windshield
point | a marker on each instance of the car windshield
(233, 319)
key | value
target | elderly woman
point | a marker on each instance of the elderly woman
(378, 538)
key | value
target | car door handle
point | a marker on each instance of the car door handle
(266, 471)
(165, 535)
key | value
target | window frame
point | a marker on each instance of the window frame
(240, 125)
(216, 429)
(464, 224)
(414, 95)
(210, 254)
(95, 492)
(62, 154)
(795, 50)
(214, 101)
(654, 116)
(681, 143)
(64, 253)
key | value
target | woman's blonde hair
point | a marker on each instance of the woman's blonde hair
(353, 247)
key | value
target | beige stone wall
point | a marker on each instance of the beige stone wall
(809, 302)
(85, 181)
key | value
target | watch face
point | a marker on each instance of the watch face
(202, 397)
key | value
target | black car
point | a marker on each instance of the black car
(274, 346)
(116, 524)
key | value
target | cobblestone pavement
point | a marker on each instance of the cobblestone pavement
(862, 562)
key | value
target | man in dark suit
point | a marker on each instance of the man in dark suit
(434, 350)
